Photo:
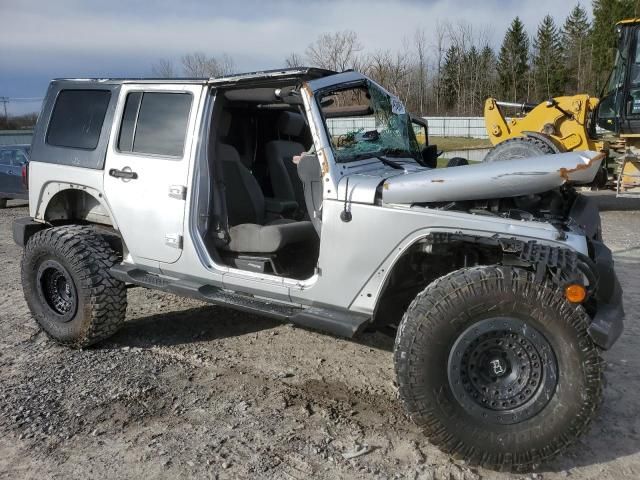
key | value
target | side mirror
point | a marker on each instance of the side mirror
(430, 156)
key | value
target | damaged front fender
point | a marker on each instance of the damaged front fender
(509, 178)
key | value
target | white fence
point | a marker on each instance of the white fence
(472, 154)
(15, 137)
(342, 126)
(470, 127)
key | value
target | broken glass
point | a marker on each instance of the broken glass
(366, 121)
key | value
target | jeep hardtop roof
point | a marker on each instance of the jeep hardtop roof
(301, 73)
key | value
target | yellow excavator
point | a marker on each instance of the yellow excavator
(610, 124)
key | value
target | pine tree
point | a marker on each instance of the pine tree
(548, 69)
(577, 51)
(488, 81)
(512, 62)
(605, 15)
(450, 78)
(472, 76)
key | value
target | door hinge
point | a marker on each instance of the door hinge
(179, 192)
(173, 240)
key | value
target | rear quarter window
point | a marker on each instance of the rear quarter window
(77, 118)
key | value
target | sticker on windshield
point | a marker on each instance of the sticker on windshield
(396, 106)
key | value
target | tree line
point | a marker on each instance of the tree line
(454, 69)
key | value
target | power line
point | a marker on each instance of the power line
(4, 101)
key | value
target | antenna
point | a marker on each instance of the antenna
(345, 215)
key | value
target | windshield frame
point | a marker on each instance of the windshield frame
(367, 83)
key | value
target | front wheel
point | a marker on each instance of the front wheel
(498, 369)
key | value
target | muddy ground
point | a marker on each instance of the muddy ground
(191, 390)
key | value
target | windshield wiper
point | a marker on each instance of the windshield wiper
(399, 153)
(390, 163)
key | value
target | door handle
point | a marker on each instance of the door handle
(128, 174)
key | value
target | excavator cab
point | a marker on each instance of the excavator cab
(619, 108)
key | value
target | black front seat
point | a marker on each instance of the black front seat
(284, 175)
(250, 231)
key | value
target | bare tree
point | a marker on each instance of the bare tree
(440, 48)
(196, 65)
(164, 68)
(389, 69)
(420, 44)
(199, 65)
(294, 60)
(226, 65)
(337, 51)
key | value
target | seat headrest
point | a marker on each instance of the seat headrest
(224, 124)
(290, 124)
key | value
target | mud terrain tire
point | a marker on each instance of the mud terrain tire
(457, 162)
(444, 331)
(519, 147)
(68, 287)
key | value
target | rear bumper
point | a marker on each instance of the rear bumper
(24, 228)
(16, 196)
(608, 322)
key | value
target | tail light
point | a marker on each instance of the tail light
(25, 176)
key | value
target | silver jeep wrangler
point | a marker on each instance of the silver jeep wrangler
(314, 197)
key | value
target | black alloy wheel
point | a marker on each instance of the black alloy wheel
(57, 290)
(502, 370)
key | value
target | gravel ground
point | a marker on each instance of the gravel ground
(191, 390)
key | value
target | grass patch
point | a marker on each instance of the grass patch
(459, 143)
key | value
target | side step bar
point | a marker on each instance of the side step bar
(342, 323)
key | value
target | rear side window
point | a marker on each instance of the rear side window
(155, 123)
(6, 158)
(77, 118)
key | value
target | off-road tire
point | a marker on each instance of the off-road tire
(519, 147)
(457, 162)
(3, 203)
(601, 180)
(83, 257)
(445, 311)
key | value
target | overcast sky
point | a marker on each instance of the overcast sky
(44, 39)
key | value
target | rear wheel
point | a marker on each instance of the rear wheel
(68, 287)
(519, 147)
(497, 369)
(3, 202)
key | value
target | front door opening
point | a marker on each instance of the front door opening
(258, 218)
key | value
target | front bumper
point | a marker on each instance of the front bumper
(608, 321)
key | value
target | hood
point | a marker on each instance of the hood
(508, 178)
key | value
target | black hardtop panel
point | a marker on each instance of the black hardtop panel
(55, 145)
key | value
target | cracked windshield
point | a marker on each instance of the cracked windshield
(365, 122)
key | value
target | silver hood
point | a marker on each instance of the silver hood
(508, 178)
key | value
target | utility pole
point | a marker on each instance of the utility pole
(5, 100)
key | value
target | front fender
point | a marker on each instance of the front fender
(369, 297)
